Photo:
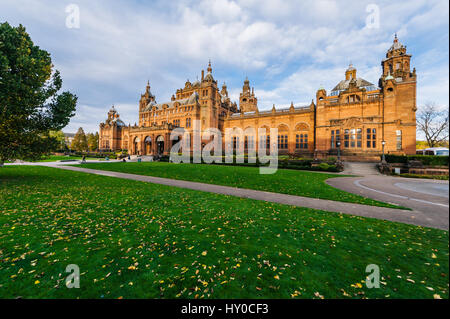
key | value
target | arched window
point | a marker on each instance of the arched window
(283, 137)
(301, 136)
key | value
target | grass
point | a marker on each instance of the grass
(140, 240)
(293, 182)
(55, 158)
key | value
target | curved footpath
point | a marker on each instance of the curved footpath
(427, 199)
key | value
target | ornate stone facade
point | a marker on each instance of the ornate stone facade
(356, 116)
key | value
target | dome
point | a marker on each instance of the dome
(119, 122)
(344, 84)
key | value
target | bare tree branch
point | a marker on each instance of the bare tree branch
(434, 124)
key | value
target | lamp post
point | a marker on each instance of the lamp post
(338, 144)
(383, 158)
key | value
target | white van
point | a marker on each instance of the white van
(437, 151)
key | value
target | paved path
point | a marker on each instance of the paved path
(397, 215)
(429, 199)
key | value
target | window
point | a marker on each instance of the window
(399, 139)
(371, 138)
(335, 138)
(264, 139)
(301, 141)
(282, 142)
(352, 138)
(235, 142)
(188, 122)
(332, 139)
(249, 142)
(359, 138)
(176, 123)
(346, 138)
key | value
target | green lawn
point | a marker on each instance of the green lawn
(140, 240)
(293, 182)
(54, 158)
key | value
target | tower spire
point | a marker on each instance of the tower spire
(209, 66)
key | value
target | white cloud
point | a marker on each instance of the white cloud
(288, 48)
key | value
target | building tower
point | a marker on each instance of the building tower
(247, 100)
(397, 62)
(398, 85)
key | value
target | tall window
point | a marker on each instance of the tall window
(359, 138)
(347, 138)
(235, 142)
(353, 138)
(188, 122)
(264, 139)
(301, 141)
(399, 139)
(371, 138)
(249, 142)
(335, 138)
(332, 139)
(283, 142)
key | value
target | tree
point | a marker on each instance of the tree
(433, 124)
(92, 140)
(30, 105)
(79, 142)
(60, 138)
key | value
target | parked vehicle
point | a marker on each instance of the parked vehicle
(437, 151)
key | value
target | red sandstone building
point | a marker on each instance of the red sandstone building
(357, 115)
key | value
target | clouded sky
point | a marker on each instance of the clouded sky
(288, 49)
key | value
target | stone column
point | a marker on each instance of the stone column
(166, 143)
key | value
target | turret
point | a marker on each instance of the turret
(247, 99)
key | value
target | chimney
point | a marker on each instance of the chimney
(203, 74)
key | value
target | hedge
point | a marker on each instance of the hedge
(427, 160)
(304, 164)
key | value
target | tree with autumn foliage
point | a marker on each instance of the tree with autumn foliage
(80, 142)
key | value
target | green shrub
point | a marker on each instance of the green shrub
(324, 166)
(427, 160)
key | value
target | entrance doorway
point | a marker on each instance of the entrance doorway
(137, 140)
(160, 145)
(148, 145)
